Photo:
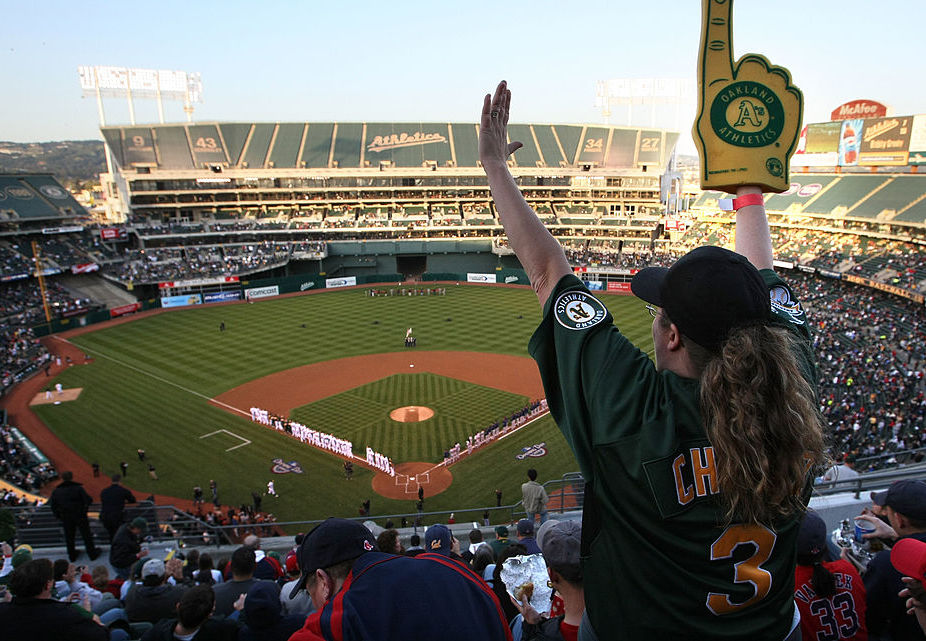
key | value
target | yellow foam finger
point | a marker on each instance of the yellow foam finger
(749, 112)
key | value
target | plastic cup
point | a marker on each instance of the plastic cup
(863, 526)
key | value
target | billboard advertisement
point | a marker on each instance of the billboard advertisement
(221, 297)
(859, 109)
(114, 233)
(594, 285)
(886, 141)
(850, 136)
(348, 281)
(261, 292)
(918, 141)
(181, 301)
(619, 288)
(818, 146)
(122, 310)
(480, 278)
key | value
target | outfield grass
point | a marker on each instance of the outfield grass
(150, 380)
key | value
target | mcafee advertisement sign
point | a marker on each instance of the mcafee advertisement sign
(859, 109)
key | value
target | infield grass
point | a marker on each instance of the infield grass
(150, 380)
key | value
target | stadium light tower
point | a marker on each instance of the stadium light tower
(646, 92)
(131, 83)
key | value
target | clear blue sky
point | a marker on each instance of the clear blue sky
(431, 61)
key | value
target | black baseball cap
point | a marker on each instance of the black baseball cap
(907, 497)
(330, 542)
(706, 293)
(811, 537)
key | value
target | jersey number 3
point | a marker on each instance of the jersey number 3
(746, 571)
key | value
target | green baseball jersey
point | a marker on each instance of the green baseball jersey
(658, 562)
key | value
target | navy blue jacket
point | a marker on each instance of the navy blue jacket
(429, 596)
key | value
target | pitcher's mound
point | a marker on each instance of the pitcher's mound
(53, 397)
(408, 476)
(411, 414)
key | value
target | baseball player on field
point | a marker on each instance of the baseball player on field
(696, 465)
(270, 488)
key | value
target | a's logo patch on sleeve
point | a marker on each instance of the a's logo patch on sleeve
(784, 305)
(578, 310)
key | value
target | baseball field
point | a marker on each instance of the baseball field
(178, 387)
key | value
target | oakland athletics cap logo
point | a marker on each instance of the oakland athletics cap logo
(578, 310)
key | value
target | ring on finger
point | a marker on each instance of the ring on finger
(495, 114)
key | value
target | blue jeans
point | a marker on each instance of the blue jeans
(532, 516)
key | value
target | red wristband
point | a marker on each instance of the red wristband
(728, 204)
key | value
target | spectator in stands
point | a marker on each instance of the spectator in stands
(845, 471)
(534, 497)
(475, 542)
(155, 598)
(498, 586)
(501, 540)
(34, 615)
(714, 329)
(561, 553)
(69, 502)
(194, 620)
(440, 540)
(243, 565)
(112, 505)
(388, 541)
(263, 619)
(206, 573)
(374, 602)
(12, 559)
(824, 590)
(267, 568)
(414, 546)
(300, 603)
(904, 505)
(526, 536)
(126, 546)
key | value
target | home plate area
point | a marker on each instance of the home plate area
(408, 476)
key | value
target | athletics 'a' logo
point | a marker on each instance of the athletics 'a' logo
(281, 467)
(533, 451)
(787, 306)
(748, 114)
(578, 310)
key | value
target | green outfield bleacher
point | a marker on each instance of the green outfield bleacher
(317, 144)
(255, 153)
(845, 192)
(286, 144)
(29, 201)
(916, 214)
(55, 194)
(407, 144)
(569, 138)
(526, 156)
(593, 146)
(781, 202)
(552, 154)
(623, 147)
(207, 145)
(234, 135)
(138, 146)
(347, 144)
(173, 148)
(465, 144)
(897, 194)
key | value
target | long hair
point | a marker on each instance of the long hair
(761, 418)
(822, 580)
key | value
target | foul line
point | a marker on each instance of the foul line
(246, 441)
(156, 377)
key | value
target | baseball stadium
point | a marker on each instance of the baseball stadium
(282, 322)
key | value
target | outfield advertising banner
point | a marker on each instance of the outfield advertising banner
(480, 278)
(918, 141)
(181, 301)
(619, 288)
(122, 310)
(850, 136)
(348, 281)
(261, 292)
(886, 141)
(818, 146)
(221, 297)
(594, 285)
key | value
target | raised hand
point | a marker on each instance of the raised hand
(749, 113)
(494, 147)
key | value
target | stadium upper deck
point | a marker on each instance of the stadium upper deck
(209, 170)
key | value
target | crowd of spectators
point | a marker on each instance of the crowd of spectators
(20, 468)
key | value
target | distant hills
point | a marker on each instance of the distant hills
(73, 162)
